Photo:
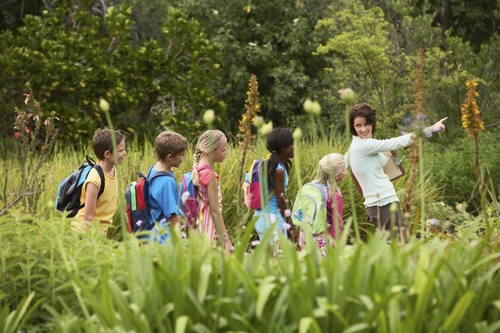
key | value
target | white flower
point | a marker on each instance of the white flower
(297, 134)
(312, 107)
(208, 117)
(258, 121)
(347, 95)
(266, 129)
(138, 223)
(288, 213)
(255, 243)
(103, 105)
(433, 222)
(184, 197)
(287, 225)
(316, 108)
(307, 105)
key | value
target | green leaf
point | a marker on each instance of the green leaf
(456, 316)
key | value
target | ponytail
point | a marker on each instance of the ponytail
(194, 173)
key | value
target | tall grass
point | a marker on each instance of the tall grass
(55, 280)
(141, 156)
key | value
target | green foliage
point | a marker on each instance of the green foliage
(59, 280)
(274, 40)
(377, 58)
(453, 168)
(72, 58)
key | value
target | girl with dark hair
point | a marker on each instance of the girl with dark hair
(367, 161)
(275, 211)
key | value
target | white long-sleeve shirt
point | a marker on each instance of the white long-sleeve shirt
(367, 162)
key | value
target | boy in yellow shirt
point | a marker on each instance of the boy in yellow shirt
(101, 208)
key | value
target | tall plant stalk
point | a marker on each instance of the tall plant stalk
(416, 149)
(245, 136)
(472, 123)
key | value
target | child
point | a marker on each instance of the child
(103, 207)
(275, 210)
(331, 170)
(211, 148)
(163, 195)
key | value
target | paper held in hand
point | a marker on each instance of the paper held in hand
(394, 168)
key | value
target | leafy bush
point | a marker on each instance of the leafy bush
(73, 58)
(452, 168)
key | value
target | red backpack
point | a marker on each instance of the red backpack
(137, 207)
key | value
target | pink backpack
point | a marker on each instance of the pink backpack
(252, 185)
(189, 205)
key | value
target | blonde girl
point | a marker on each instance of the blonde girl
(331, 170)
(211, 148)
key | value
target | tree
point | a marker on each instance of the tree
(274, 40)
(73, 58)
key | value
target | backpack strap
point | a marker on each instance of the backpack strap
(157, 174)
(99, 170)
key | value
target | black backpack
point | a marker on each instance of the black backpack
(68, 194)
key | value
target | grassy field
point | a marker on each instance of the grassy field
(53, 280)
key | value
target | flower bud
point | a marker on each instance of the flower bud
(347, 95)
(208, 117)
(315, 108)
(50, 204)
(393, 208)
(103, 105)
(297, 134)
(258, 121)
(308, 105)
(266, 129)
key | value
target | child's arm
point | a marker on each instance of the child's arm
(213, 204)
(174, 220)
(279, 187)
(175, 223)
(335, 212)
(90, 203)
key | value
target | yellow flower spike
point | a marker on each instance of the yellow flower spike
(470, 114)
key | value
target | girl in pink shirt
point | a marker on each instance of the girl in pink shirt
(211, 148)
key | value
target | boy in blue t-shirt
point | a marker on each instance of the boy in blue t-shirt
(163, 196)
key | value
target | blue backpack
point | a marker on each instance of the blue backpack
(136, 202)
(70, 188)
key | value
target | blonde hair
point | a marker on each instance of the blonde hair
(208, 141)
(329, 167)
